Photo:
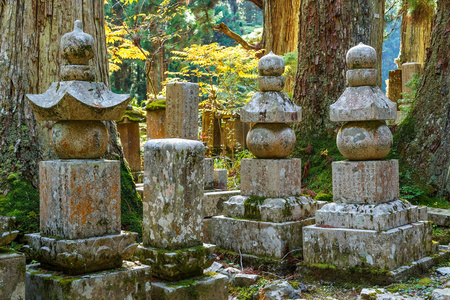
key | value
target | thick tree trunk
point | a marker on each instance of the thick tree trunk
(29, 62)
(415, 35)
(328, 29)
(280, 25)
(424, 137)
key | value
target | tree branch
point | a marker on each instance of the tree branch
(228, 32)
(258, 3)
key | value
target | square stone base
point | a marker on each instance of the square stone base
(271, 178)
(255, 237)
(206, 287)
(12, 276)
(386, 250)
(212, 202)
(130, 282)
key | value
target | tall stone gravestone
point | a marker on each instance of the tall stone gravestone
(80, 193)
(12, 264)
(367, 225)
(172, 220)
(264, 220)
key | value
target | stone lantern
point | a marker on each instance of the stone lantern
(367, 224)
(80, 202)
(267, 218)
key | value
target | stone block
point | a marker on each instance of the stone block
(177, 265)
(395, 85)
(12, 276)
(209, 174)
(131, 144)
(79, 198)
(439, 216)
(81, 255)
(387, 250)
(173, 193)
(365, 182)
(362, 103)
(213, 202)
(441, 294)
(156, 120)
(199, 288)
(220, 179)
(271, 209)
(127, 282)
(271, 107)
(7, 232)
(408, 70)
(182, 110)
(272, 178)
(378, 217)
(254, 237)
(245, 279)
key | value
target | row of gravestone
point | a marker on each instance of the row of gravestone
(80, 228)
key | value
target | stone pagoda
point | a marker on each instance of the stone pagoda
(172, 221)
(80, 204)
(267, 218)
(367, 225)
(12, 264)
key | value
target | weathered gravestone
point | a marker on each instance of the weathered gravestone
(264, 220)
(367, 225)
(80, 227)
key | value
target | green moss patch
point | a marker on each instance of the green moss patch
(131, 206)
(156, 105)
(137, 114)
(251, 207)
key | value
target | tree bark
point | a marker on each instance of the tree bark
(424, 137)
(415, 35)
(328, 29)
(30, 61)
(280, 25)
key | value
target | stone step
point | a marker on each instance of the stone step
(439, 216)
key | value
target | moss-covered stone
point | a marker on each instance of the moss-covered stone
(136, 114)
(156, 105)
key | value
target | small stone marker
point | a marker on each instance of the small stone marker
(264, 219)
(80, 193)
(182, 110)
(367, 224)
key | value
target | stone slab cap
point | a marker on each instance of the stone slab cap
(7, 232)
(271, 107)
(363, 103)
(78, 100)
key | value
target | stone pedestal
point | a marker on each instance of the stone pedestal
(131, 144)
(156, 120)
(208, 172)
(182, 110)
(220, 179)
(12, 276)
(395, 85)
(127, 282)
(213, 202)
(172, 225)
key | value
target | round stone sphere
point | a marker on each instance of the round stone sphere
(271, 140)
(271, 65)
(364, 140)
(361, 57)
(79, 139)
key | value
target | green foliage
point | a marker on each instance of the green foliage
(409, 97)
(131, 202)
(22, 202)
(441, 235)
(233, 167)
(248, 293)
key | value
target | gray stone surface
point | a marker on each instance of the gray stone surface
(208, 287)
(79, 198)
(213, 202)
(245, 279)
(177, 265)
(182, 110)
(271, 107)
(209, 174)
(274, 178)
(365, 182)
(378, 217)
(271, 209)
(81, 255)
(271, 83)
(276, 290)
(382, 294)
(272, 140)
(254, 237)
(220, 179)
(363, 103)
(443, 270)
(439, 216)
(129, 282)
(361, 57)
(388, 249)
(271, 65)
(173, 193)
(7, 232)
(12, 276)
(362, 77)
(441, 294)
